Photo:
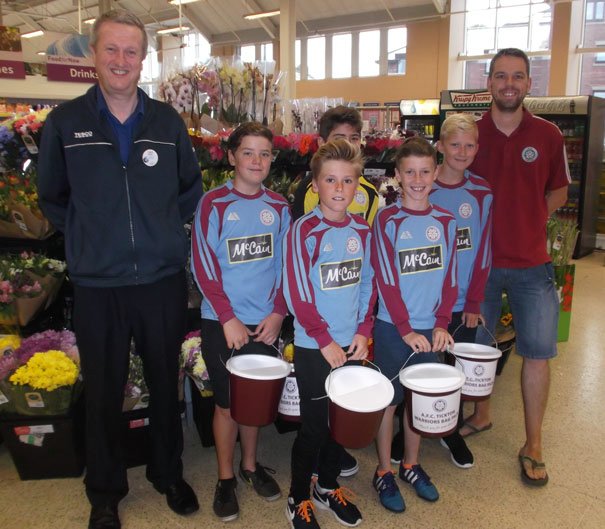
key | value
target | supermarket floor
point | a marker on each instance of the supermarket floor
(490, 495)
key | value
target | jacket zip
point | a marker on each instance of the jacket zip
(135, 264)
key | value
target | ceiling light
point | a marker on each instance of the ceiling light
(90, 21)
(41, 53)
(165, 31)
(32, 34)
(182, 2)
(253, 16)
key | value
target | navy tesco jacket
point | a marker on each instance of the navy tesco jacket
(123, 225)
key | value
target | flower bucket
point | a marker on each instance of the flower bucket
(28, 401)
(358, 397)
(289, 402)
(432, 398)
(479, 364)
(255, 384)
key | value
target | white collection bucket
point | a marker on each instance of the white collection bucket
(358, 397)
(433, 397)
(479, 364)
(255, 384)
(289, 402)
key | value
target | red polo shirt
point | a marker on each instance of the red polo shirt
(521, 169)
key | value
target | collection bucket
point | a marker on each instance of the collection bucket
(358, 397)
(432, 398)
(255, 385)
(479, 364)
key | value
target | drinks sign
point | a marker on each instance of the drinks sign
(69, 59)
(11, 54)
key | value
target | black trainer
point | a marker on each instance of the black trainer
(225, 501)
(301, 515)
(264, 485)
(339, 502)
(461, 456)
(348, 465)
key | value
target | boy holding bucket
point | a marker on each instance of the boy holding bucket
(413, 254)
(329, 286)
(469, 198)
(236, 259)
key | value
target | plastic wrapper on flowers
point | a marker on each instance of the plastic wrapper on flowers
(136, 394)
(44, 382)
(193, 365)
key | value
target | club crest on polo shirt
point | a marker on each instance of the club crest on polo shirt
(415, 260)
(529, 154)
(463, 239)
(340, 275)
(252, 248)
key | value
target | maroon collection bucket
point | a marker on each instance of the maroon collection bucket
(255, 384)
(432, 398)
(358, 397)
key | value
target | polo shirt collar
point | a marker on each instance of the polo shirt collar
(102, 107)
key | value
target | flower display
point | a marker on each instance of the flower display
(47, 370)
(381, 149)
(192, 363)
(12, 153)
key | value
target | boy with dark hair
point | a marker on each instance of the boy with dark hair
(336, 123)
(236, 260)
(413, 254)
(328, 283)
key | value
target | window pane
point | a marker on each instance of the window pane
(316, 58)
(297, 59)
(342, 46)
(396, 50)
(369, 53)
(248, 53)
(480, 41)
(541, 19)
(475, 74)
(539, 69)
(266, 52)
(513, 37)
(592, 73)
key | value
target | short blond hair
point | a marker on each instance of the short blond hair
(459, 122)
(339, 149)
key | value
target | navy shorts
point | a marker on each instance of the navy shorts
(534, 303)
(391, 353)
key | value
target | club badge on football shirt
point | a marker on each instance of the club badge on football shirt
(529, 154)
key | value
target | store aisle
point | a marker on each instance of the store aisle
(490, 495)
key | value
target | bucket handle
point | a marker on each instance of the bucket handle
(416, 353)
(482, 323)
(330, 377)
(279, 354)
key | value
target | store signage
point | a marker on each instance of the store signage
(69, 60)
(461, 98)
(11, 54)
(70, 69)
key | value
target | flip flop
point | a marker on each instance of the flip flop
(528, 480)
(475, 430)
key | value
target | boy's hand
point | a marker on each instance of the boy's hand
(236, 334)
(334, 355)
(471, 320)
(417, 342)
(441, 339)
(358, 350)
(267, 331)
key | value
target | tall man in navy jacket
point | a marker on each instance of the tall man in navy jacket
(117, 175)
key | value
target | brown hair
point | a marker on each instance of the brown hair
(339, 149)
(509, 52)
(249, 128)
(415, 146)
(337, 116)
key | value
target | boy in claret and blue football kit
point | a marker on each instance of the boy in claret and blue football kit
(414, 257)
(329, 287)
(469, 198)
(237, 261)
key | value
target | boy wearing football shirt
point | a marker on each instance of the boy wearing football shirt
(329, 287)
(469, 198)
(237, 260)
(414, 256)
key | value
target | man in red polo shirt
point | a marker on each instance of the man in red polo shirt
(523, 158)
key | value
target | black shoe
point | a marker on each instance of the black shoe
(462, 457)
(339, 502)
(264, 485)
(104, 517)
(348, 465)
(301, 515)
(181, 498)
(225, 501)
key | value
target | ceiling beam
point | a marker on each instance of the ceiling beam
(440, 6)
(265, 23)
(197, 21)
